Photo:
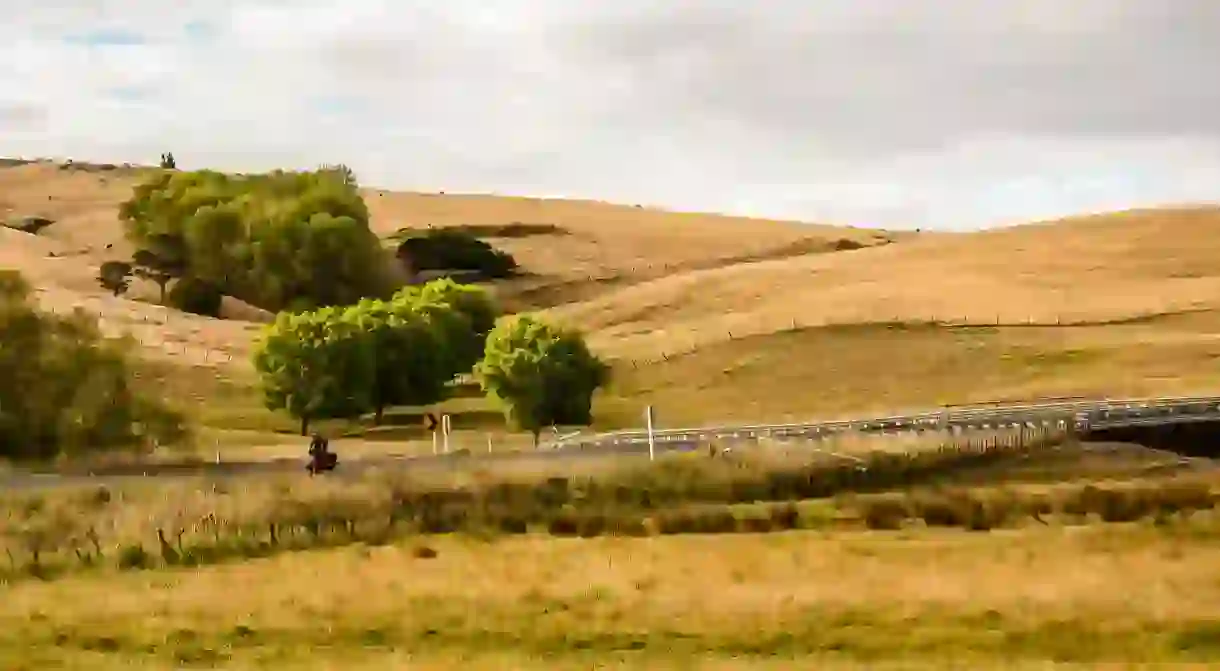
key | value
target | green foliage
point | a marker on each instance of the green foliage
(316, 365)
(540, 374)
(342, 172)
(163, 258)
(471, 301)
(280, 240)
(464, 313)
(201, 297)
(66, 388)
(115, 276)
(409, 350)
(455, 249)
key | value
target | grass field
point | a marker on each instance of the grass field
(714, 318)
(822, 591)
(812, 586)
(1097, 558)
(929, 599)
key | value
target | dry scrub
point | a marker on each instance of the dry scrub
(48, 534)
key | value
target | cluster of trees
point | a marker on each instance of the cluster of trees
(454, 249)
(66, 389)
(281, 240)
(344, 362)
(163, 259)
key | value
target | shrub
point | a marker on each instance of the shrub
(452, 249)
(565, 523)
(67, 389)
(134, 556)
(754, 521)
(884, 511)
(785, 516)
(191, 294)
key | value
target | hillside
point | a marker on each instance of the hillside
(1079, 270)
(567, 248)
(741, 318)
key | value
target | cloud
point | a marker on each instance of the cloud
(106, 37)
(945, 113)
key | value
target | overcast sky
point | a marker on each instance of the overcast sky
(935, 113)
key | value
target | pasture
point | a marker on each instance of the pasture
(980, 552)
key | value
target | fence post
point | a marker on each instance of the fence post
(445, 427)
(652, 443)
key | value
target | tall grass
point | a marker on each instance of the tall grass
(43, 535)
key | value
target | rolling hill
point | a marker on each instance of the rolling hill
(737, 318)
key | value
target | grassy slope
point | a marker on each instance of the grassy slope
(730, 337)
(1086, 269)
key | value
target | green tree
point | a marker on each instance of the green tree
(316, 365)
(540, 374)
(341, 172)
(163, 259)
(454, 249)
(201, 297)
(280, 240)
(464, 313)
(115, 276)
(409, 350)
(67, 389)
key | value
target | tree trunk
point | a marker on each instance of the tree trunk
(162, 285)
(378, 414)
(536, 432)
(304, 425)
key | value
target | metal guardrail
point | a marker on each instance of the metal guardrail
(1079, 415)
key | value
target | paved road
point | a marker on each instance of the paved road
(1076, 414)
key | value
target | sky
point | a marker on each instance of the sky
(946, 114)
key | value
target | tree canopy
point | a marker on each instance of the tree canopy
(316, 365)
(343, 362)
(280, 240)
(67, 390)
(541, 375)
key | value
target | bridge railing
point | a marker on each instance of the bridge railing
(1082, 413)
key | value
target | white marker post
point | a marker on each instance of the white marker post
(445, 428)
(652, 442)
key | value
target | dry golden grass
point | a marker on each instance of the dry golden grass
(1091, 269)
(601, 240)
(1116, 595)
(870, 369)
(733, 318)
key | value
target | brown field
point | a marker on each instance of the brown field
(1069, 593)
(714, 318)
(1118, 596)
(709, 319)
(1086, 270)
